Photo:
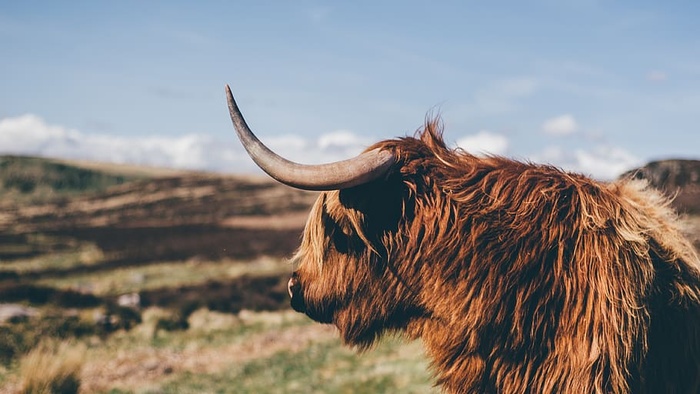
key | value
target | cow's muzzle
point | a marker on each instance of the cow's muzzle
(295, 293)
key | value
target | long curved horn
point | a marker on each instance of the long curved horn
(332, 176)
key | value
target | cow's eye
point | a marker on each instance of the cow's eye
(345, 243)
(341, 242)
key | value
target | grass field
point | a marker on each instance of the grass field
(256, 353)
(245, 352)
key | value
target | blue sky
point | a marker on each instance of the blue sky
(592, 86)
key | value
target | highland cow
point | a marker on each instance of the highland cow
(518, 278)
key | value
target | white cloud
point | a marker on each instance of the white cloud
(333, 146)
(560, 125)
(605, 162)
(484, 142)
(31, 135)
(601, 162)
(340, 139)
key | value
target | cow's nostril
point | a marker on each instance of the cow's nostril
(293, 286)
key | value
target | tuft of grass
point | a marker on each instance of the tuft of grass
(19, 338)
(52, 368)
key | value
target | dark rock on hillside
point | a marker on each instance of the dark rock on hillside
(679, 179)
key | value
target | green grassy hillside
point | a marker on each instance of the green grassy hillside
(33, 179)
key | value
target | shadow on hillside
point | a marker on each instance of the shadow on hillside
(139, 246)
(142, 246)
(231, 296)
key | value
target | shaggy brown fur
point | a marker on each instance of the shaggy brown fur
(519, 278)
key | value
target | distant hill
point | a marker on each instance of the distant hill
(679, 179)
(144, 214)
(33, 179)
